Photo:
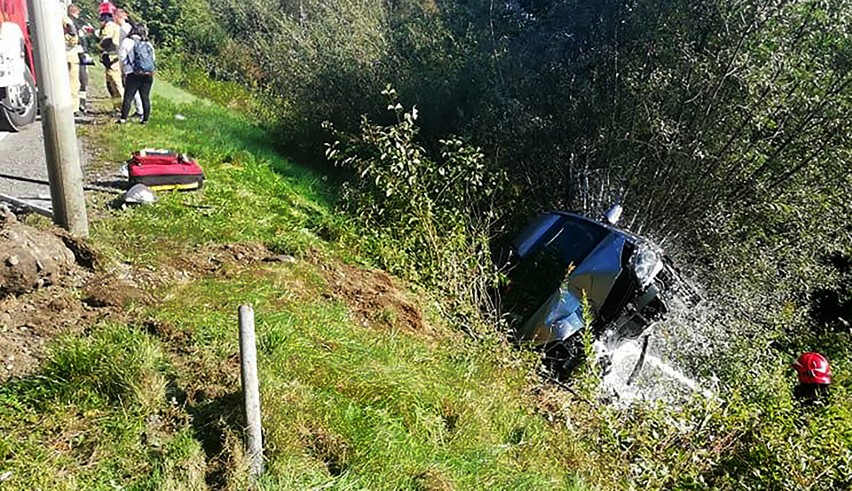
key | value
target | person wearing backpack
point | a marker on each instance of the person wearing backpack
(125, 26)
(138, 64)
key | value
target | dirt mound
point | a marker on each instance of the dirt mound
(28, 322)
(41, 279)
(30, 258)
(374, 297)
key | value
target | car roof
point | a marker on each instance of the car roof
(605, 225)
(630, 235)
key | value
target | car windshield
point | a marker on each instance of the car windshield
(547, 247)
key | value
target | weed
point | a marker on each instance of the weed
(428, 215)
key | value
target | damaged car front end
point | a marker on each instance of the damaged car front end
(567, 271)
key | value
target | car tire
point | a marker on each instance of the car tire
(13, 121)
(561, 358)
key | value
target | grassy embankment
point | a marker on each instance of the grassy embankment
(352, 398)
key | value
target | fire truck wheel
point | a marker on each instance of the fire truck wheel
(18, 106)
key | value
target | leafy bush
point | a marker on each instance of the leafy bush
(723, 126)
(430, 216)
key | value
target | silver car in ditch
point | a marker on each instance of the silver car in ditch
(567, 271)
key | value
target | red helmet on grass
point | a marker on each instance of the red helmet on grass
(813, 368)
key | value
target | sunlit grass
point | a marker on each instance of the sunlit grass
(153, 401)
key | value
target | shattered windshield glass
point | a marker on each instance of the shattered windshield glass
(548, 247)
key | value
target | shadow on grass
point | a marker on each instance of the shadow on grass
(118, 184)
(213, 420)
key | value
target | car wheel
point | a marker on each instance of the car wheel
(18, 106)
(561, 358)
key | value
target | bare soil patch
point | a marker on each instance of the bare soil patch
(374, 297)
(31, 258)
(28, 322)
(223, 259)
(35, 301)
(48, 287)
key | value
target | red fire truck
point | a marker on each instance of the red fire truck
(18, 104)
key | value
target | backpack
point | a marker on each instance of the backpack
(143, 58)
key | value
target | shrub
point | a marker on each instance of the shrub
(429, 215)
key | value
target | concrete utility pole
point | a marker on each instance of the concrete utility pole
(57, 117)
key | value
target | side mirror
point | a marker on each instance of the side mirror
(614, 214)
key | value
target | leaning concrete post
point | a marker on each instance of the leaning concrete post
(251, 392)
(57, 117)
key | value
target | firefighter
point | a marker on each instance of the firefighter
(72, 55)
(106, 7)
(83, 31)
(110, 39)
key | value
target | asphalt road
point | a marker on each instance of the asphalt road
(22, 155)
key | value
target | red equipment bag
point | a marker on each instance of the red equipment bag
(163, 170)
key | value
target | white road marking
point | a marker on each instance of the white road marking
(3, 135)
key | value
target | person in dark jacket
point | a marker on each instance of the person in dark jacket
(137, 62)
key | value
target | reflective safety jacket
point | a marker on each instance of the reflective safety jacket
(72, 40)
(111, 31)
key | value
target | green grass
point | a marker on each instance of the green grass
(372, 407)
(251, 193)
(153, 401)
